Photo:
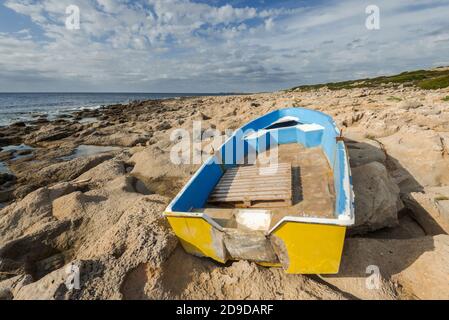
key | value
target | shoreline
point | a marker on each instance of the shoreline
(77, 101)
(51, 141)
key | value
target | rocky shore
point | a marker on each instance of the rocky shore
(67, 202)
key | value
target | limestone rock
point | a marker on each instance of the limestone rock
(427, 276)
(430, 208)
(54, 286)
(6, 177)
(117, 138)
(200, 278)
(377, 200)
(409, 269)
(49, 133)
(68, 170)
(104, 172)
(9, 288)
(17, 218)
(409, 104)
(158, 173)
(68, 206)
(364, 152)
(420, 158)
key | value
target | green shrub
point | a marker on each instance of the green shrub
(426, 79)
(436, 83)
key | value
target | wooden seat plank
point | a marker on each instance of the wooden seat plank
(251, 184)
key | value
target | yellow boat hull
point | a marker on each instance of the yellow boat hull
(306, 248)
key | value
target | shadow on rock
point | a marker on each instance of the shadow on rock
(397, 241)
(380, 186)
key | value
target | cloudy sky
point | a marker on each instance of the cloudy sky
(213, 46)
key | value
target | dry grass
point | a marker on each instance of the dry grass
(441, 198)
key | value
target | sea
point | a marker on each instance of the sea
(16, 107)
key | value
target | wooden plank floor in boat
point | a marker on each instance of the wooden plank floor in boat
(312, 187)
(255, 186)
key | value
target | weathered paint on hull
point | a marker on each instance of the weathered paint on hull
(198, 237)
(312, 248)
(306, 248)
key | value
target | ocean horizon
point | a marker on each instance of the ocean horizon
(25, 106)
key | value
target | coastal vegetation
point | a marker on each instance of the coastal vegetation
(425, 79)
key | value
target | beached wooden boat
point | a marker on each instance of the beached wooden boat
(291, 211)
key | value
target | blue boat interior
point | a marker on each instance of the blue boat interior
(309, 128)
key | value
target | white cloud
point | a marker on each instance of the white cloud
(269, 24)
(180, 45)
(109, 5)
